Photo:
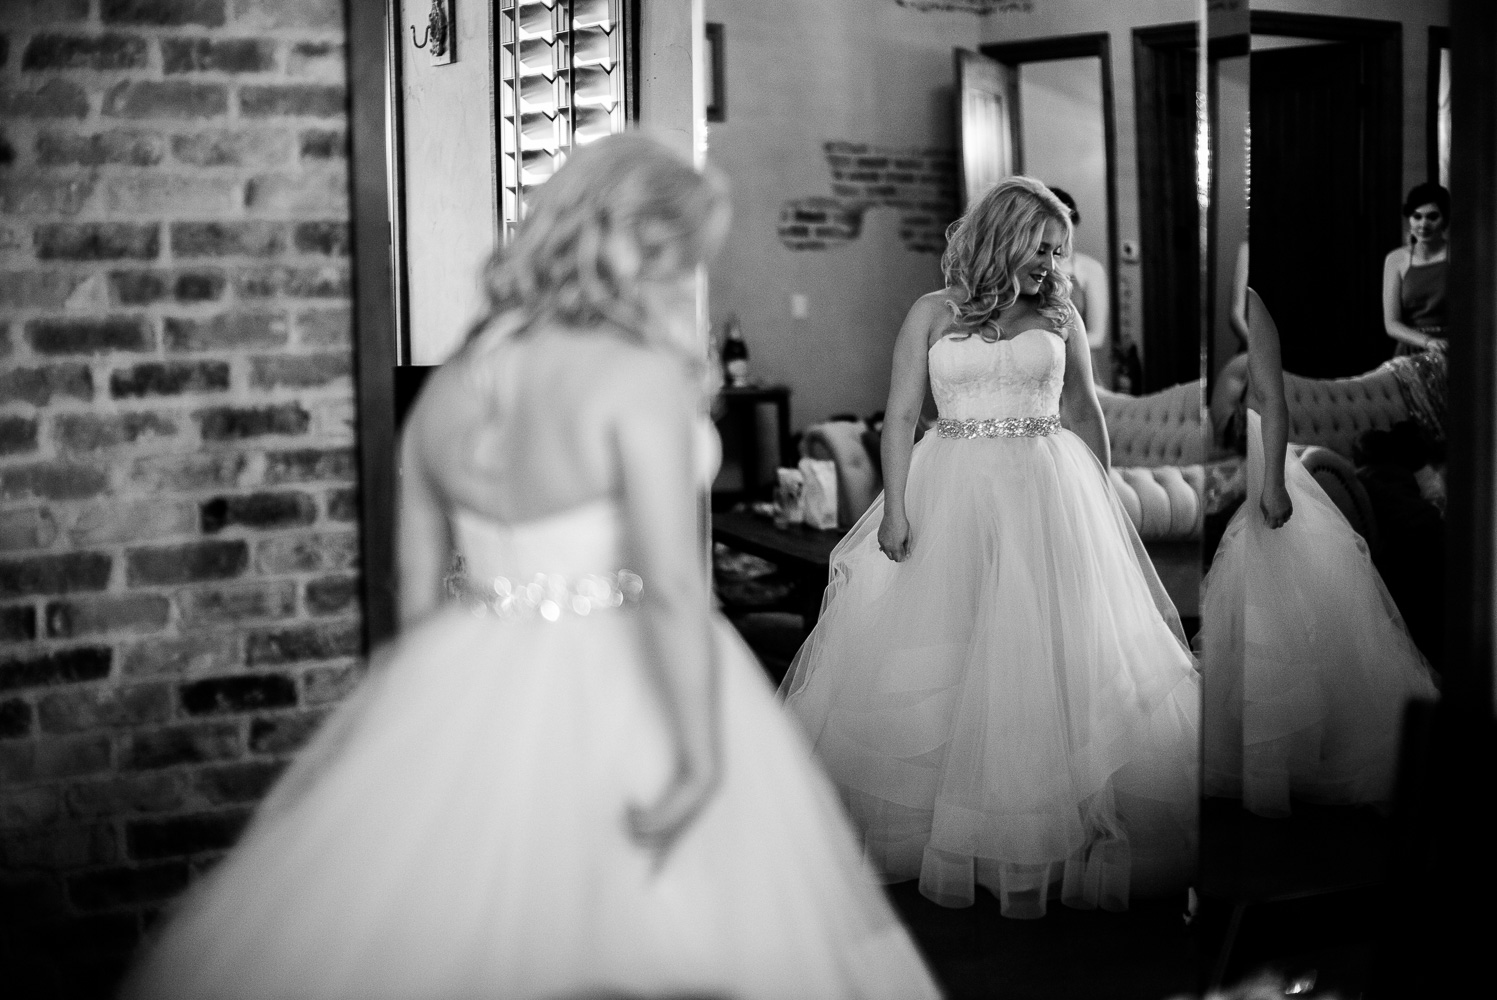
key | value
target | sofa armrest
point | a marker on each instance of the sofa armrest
(1338, 477)
(1164, 501)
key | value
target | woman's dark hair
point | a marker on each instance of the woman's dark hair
(1427, 193)
(1069, 203)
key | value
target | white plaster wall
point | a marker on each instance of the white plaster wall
(800, 73)
(1064, 144)
(450, 209)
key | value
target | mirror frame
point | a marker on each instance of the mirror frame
(1080, 46)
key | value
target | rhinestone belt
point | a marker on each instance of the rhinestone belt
(547, 596)
(1005, 427)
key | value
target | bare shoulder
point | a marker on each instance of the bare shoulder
(931, 315)
(1398, 258)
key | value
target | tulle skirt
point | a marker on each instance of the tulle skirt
(1306, 661)
(1014, 705)
(456, 830)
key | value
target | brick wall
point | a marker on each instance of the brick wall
(920, 184)
(178, 522)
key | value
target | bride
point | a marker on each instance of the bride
(567, 779)
(1307, 662)
(998, 683)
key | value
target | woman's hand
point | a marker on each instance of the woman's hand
(1275, 504)
(657, 828)
(894, 536)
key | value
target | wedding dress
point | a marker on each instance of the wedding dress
(457, 828)
(1306, 661)
(1014, 705)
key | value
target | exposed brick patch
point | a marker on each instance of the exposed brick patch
(52, 99)
(283, 733)
(95, 52)
(343, 505)
(233, 148)
(89, 336)
(229, 55)
(15, 718)
(258, 510)
(297, 194)
(52, 481)
(206, 560)
(110, 888)
(37, 289)
(55, 573)
(171, 194)
(62, 666)
(304, 100)
(17, 623)
(185, 656)
(172, 378)
(98, 241)
(17, 435)
(238, 604)
(226, 331)
(27, 528)
(200, 470)
(43, 195)
(174, 99)
(320, 59)
(307, 553)
(135, 519)
(232, 784)
(164, 13)
(309, 465)
(124, 794)
(288, 13)
(229, 423)
(227, 239)
(166, 838)
(324, 144)
(59, 847)
(39, 12)
(329, 238)
(330, 282)
(242, 693)
(190, 743)
(321, 685)
(124, 147)
(308, 642)
(325, 328)
(38, 386)
(918, 183)
(88, 432)
(86, 708)
(300, 371)
(107, 613)
(332, 595)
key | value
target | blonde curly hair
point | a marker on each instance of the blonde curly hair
(624, 210)
(996, 236)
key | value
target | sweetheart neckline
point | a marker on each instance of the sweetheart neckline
(999, 340)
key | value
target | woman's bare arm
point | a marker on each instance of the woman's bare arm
(423, 546)
(1079, 409)
(1266, 395)
(652, 407)
(907, 384)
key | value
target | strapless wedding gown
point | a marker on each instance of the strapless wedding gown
(1306, 660)
(457, 828)
(1014, 705)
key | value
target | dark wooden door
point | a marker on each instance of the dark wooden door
(1164, 62)
(1321, 208)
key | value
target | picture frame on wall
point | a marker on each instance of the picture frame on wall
(716, 74)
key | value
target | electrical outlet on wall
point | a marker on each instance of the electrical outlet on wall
(800, 308)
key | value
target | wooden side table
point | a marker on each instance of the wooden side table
(746, 448)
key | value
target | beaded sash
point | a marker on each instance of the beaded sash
(1009, 427)
(547, 596)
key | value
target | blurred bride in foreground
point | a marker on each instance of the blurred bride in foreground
(570, 777)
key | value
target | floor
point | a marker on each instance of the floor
(1319, 936)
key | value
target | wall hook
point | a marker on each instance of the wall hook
(424, 36)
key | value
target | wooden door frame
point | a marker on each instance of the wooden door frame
(1079, 46)
(1161, 274)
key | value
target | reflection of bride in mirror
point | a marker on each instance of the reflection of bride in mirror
(1305, 658)
(998, 682)
(1089, 294)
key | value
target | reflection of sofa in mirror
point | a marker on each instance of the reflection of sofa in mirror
(1326, 416)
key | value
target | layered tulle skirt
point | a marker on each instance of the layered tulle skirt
(456, 830)
(1013, 705)
(1306, 661)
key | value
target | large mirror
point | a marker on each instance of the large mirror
(1327, 614)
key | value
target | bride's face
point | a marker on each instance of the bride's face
(1045, 259)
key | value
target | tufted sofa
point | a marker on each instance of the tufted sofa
(1158, 448)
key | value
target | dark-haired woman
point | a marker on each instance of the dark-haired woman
(565, 779)
(1414, 273)
(998, 683)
